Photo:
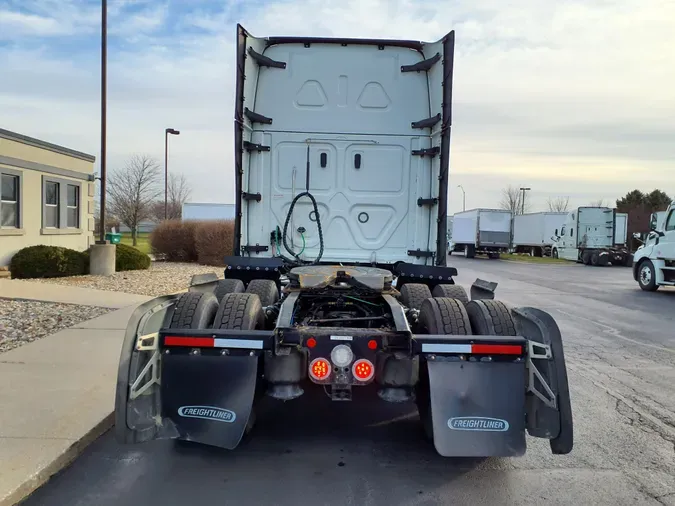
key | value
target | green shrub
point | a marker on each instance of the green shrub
(47, 262)
(174, 241)
(128, 258)
(215, 241)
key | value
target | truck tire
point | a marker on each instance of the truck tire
(595, 259)
(469, 251)
(266, 289)
(490, 317)
(647, 276)
(586, 257)
(451, 292)
(194, 310)
(240, 311)
(494, 256)
(413, 294)
(437, 316)
(226, 286)
(444, 316)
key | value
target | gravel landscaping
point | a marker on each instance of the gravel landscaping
(161, 278)
(22, 322)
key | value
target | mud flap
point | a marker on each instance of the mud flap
(477, 407)
(549, 410)
(209, 398)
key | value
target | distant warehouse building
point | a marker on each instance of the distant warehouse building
(197, 211)
(47, 195)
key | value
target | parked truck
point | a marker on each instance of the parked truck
(654, 260)
(588, 236)
(482, 231)
(534, 233)
(369, 302)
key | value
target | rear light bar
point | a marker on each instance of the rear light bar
(213, 342)
(474, 349)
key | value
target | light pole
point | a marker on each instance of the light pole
(463, 197)
(522, 210)
(166, 167)
(104, 72)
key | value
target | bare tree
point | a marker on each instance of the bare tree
(179, 192)
(558, 204)
(131, 191)
(597, 203)
(512, 200)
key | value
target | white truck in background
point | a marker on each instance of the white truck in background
(588, 236)
(654, 261)
(534, 233)
(621, 229)
(482, 231)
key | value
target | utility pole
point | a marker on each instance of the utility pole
(522, 211)
(463, 197)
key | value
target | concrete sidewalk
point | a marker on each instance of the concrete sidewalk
(57, 396)
(49, 292)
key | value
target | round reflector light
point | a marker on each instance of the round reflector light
(319, 368)
(363, 369)
(341, 355)
(311, 342)
(372, 344)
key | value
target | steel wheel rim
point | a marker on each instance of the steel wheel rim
(645, 275)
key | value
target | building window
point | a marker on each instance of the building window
(61, 203)
(73, 206)
(51, 205)
(9, 201)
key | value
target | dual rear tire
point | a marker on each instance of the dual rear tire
(231, 306)
(452, 316)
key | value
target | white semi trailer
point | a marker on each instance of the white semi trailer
(482, 231)
(534, 233)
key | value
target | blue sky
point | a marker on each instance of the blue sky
(568, 97)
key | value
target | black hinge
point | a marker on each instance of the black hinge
(427, 151)
(257, 118)
(254, 249)
(251, 196)
(264, 61)
(427, 123)
(427, 202)
(251, 146)
(423, 65)
(418, 253)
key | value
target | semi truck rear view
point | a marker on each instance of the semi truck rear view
(588, 236)
(339, 276)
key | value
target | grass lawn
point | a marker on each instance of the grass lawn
(142, 241)
(534, 260)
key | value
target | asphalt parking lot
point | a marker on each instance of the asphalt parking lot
(620, 350)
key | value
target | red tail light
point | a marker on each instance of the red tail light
(319, 369)
(363, 370)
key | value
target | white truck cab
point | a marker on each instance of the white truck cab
(654, 261)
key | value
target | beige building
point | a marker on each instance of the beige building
(47, 195)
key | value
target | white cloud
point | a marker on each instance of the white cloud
(567, 97)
